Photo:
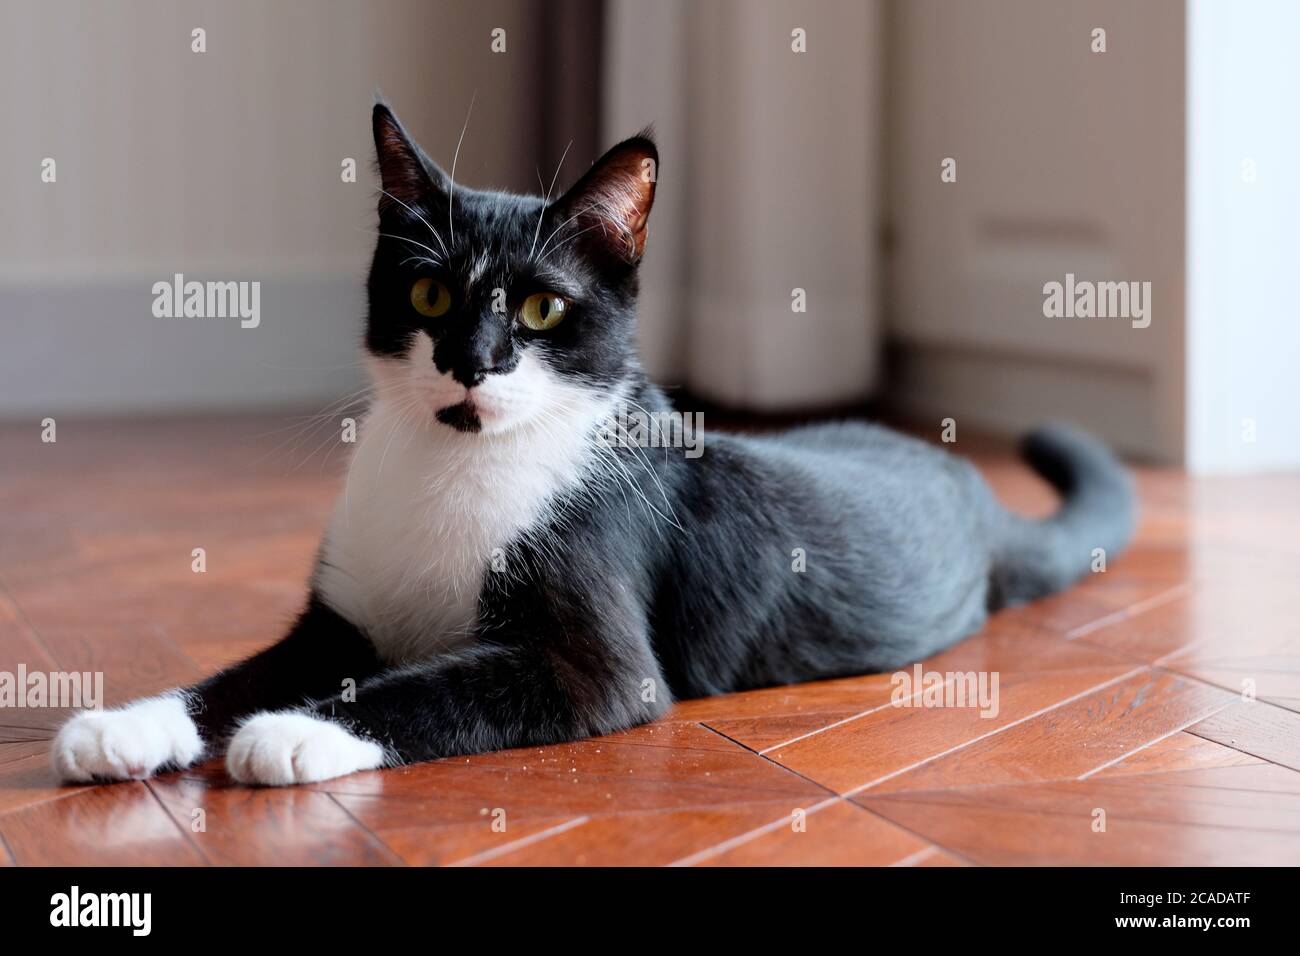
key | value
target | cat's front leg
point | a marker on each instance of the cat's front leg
(489, 697)
(128, 743)
(280, 748)
(176, 729)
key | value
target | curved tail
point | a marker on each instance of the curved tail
(1098, 511)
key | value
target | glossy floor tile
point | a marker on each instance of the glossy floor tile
(1150, 715)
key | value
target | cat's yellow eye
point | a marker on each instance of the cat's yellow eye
(430, 297)
(544, 310)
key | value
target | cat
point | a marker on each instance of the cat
(497, 573)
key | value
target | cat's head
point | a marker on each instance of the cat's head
(490, 310)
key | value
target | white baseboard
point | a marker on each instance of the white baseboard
(94, 348)
(1009, 394)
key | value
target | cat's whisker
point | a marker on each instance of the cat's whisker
(360, 399)
(451, 198)
(381, 392)
(306, 427)
(326, 410)
(295, 424)
(601, 221)
(600, 225)
(601, 451)
(541, 214)
(555, 231)
(615, 222)
(346, 366)
(422, 219)
(329, 441)
(640, 457)
(415, 242)
(402, 412)
(643, 461)
(621, 471)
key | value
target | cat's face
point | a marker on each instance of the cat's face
(491, 310)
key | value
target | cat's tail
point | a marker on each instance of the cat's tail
(1094, 523)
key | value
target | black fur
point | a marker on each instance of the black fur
(320, 652)
(691, 587)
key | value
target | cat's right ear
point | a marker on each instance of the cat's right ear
(408, 177)
(610, 205)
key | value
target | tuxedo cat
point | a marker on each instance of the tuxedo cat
(498, 573)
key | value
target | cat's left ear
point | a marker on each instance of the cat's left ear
(610, 205)
(409, 177)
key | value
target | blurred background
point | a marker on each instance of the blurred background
(860, 201)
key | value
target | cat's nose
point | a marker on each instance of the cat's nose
(472, 369)
(478, 357)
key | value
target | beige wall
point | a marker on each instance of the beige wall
(769, 182)
(229, 160)
(225, 165)
(1067, 161)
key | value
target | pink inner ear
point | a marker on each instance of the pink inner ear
(400, 170)
(621, 200)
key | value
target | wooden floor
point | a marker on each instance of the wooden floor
(1120, 702)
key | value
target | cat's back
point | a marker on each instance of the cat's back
(855, 457)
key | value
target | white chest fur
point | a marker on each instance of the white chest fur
(423, 513)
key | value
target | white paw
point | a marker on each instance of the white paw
(130, 743)
(288, 747)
